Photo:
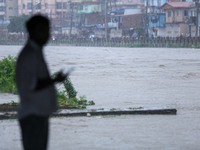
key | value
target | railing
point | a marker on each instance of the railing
(119, 42)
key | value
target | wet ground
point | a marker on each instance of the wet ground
(122, 77)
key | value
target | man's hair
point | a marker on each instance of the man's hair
(32, 23)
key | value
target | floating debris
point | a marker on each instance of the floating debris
(88, 115)
(135, 108)
(162, 66)
(192, 74)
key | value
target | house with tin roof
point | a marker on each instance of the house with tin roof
(180, 18)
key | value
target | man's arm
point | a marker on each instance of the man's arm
(47, 82)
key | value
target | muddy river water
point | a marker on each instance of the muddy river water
(122, 77)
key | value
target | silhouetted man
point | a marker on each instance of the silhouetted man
(35, 86)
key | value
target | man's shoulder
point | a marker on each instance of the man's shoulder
(27, 53)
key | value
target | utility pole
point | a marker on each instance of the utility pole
(71, 15)
(146, 28)
(106, 19)
(197, 19)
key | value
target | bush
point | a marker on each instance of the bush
(7, 75)
(71, 92)
(67, 97)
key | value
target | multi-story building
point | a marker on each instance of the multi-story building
(7, 11)
(180, 18)
(156, 16)
(89, 7)
(51, 8)
(2, 10)
(11, 9)
(62, 13)
(124, 4)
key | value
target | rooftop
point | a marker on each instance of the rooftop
(169, 5)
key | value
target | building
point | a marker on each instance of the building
(156, 16)
(11, 9)
(89, 7)
(180, 18)
(2, 10)
(62, 13)
(114, 5)
(127, 24)
(51, 8)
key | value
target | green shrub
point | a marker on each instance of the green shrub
(67, 97)
(71, 92)
(7, 75)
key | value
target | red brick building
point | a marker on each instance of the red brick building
(131, 21)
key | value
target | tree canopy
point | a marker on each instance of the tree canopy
(17, 24)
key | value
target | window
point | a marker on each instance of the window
(193, 13)
(1, 8)
(130, 1)
(75, 6)
(38, 6)
(64, 5)
(177, 13)
(86, 7)
(81, 7)
(64, 15)
(58, 5)
(185, 12)
(1, 1)
(159, 2)
(10, 17)
(169, 13)
(29, 6)
(58, 14)
(148, 10)
(23, 6)
(148, 2)
(46, 5)
(10, 8)
(73, 24)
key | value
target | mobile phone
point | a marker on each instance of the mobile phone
(68, 72)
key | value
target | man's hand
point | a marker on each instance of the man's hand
(60, 77)
(47, 82)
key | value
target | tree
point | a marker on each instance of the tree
(17, 24)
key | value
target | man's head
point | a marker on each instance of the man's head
(38, 29)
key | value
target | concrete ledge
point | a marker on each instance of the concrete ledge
(102, 112)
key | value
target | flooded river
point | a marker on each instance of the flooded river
(122, 77)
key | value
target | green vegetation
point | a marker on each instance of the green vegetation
(66, 98)
(7, 75)
(17, 23)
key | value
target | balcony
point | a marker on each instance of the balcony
(192, 20)
(112, 25)
(2, 13)
(2, 4)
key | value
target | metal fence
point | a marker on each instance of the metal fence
(119, 42)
